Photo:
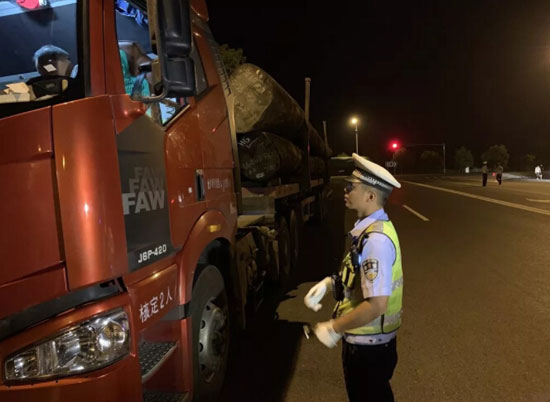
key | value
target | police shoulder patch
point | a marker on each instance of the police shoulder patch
(370, 268)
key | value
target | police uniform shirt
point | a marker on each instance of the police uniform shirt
(377, 259)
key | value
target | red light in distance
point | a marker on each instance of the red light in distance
(394, 145)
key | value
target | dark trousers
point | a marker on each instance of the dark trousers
(368, 370)
(499, 179)
(484, 179)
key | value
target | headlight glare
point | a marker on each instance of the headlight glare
(88, 346)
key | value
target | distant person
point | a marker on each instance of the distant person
(368, 289)
(541, 171)
(538, 173)
(500, 169)
(484, 173)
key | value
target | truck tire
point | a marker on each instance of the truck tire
(210, 334)
(285, 267)
(323, 213)
(295, 231)
(321, 208)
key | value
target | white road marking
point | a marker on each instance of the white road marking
(463, 183)
(543, 201)
(481, 198)
(489, 184)
(412, 211)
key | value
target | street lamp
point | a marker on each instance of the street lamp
(355, 122)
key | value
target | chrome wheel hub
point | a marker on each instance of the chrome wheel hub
(212, 340)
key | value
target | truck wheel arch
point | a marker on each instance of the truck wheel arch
(209, 242)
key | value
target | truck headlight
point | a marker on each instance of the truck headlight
(87, 346)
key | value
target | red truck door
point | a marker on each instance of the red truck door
(159, 143)
(216, 141)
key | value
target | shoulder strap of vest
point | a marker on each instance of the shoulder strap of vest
(376, 226)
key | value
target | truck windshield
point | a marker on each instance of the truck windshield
(39, 51)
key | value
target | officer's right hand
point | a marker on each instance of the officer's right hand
(316, 294)
(324, 331)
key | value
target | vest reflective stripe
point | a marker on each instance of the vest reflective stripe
(348, 275)
(396, 284)
(391, 319)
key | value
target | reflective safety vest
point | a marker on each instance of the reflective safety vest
(391, 319)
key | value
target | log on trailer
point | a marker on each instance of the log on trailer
(317, 167)
(316, 144)
(264, 156)
(261, 104)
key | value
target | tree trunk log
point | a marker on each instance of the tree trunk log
(317, 145)
(264, 156)
(261, 104)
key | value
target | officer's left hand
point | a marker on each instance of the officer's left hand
(316, 294)
(326, 334)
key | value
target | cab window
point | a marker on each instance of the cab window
(40, 54)
(201, 84)
(137, 56)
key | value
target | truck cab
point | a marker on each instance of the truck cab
(131, 251)
(120, 206)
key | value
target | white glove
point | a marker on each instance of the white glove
(316, 294)
(324, 331)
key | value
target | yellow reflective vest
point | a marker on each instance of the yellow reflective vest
(391, 319)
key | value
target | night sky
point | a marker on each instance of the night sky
(459, 72)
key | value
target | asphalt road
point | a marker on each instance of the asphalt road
(476, 323)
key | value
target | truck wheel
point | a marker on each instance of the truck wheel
(324, 207)
(285, 267)
(294, 229)
(210, 334)
(321, 206)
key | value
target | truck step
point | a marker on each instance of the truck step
(159, 396)
(152, 355)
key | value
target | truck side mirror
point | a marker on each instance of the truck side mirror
(171, 25)
(174, 47)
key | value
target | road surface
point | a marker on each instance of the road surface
(476, 323)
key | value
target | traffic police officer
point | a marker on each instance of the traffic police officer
(369, 289)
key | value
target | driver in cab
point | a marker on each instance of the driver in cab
(55, 68)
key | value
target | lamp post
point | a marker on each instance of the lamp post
(355, 122)
(394, 147)
(444, 164)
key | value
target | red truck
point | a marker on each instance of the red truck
(130, 251)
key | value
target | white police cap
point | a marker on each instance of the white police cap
(371, 174)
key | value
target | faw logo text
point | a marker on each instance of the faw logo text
(146, 191)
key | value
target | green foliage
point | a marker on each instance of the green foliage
(463, 158)
(405, 160)
(430, 156)
(528, 161)
(430, 161)
(496, 154)
(232, 58)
